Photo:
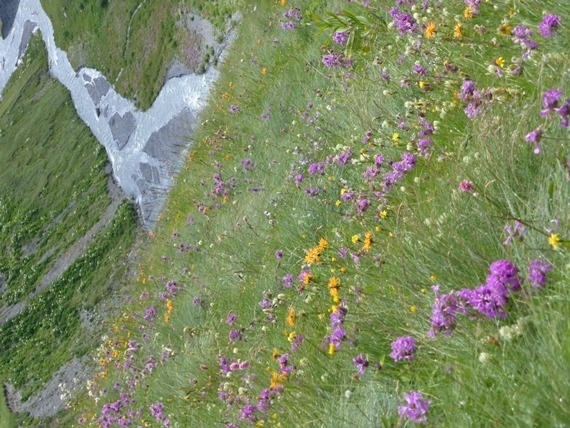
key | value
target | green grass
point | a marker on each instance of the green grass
(138, 46)
(52, 191)
(219, 242)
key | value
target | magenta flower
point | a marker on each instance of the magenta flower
(506, 273)
(548, 25)
(416, 407)
(361, 363)
(534, 137)
(466, 186)
(550, 101)
(340, 37)
(537, 270)
(403, 348)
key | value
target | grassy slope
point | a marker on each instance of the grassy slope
(136, 61)
(221, 247)
(53, 190)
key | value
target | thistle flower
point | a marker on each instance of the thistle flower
(416, 407)
(537, 270)
(548, 25)
(403, 348)
(361, 363)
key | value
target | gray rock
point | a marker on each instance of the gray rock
(122, 127)
(8, 10)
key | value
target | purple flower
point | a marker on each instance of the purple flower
(416, 408)
(550, 101)
(317, 168)
(298, 179)
(403, 348)
(490, 299)
(287, 280)
(234, 109)
(444, 312)
(234, 336)
(289, 25)
(466, 186)
(548, 25)
(337, 317)
(231, 318)
(515, 233)
(537, 270)
(467, 90)
(344, 157)
(361, 363)
(332, 60)
(472, 110)
(150, 312)
(423, 146)
(312, 191)
(420, 69)
(507, 273)
(403, 22)
(338, 335)
(564, 113)
(362, 205)
(521, 35)
(248, 413)
(534, 137)
(340, 37)
(279, 254)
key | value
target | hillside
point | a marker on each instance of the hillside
(370, 229)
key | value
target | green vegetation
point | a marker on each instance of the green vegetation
(141, 39)
(53, 189)
(287, 218)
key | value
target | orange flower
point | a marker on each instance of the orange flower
(291, 318)
(429, 32)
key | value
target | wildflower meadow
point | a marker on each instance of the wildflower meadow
(371, 229)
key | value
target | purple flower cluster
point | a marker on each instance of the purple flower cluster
(537, 270)
(416, 408)
(156, 410)
(550, 102)
(340, 37)
(294, 16)
(336, 60)
(403, 349)
(548, 25)
(521, 35)
(403, 22)
(336, 322)
(489, 299)
(474, 98)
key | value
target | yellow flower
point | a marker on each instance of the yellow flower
(355, 239)
(505, 29)
(323, 244)
(264, 71)
(430, 30)
(554, 240)
(338, 202)
(395, 137)
(367, 241)
(500, 62)
(458, 31)
(292, 336)
(384, 214)
(468, 13)
(275, 354)
(291, 317)
(313, 255)
(283, 2)
(412, 309)
(332, 348)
